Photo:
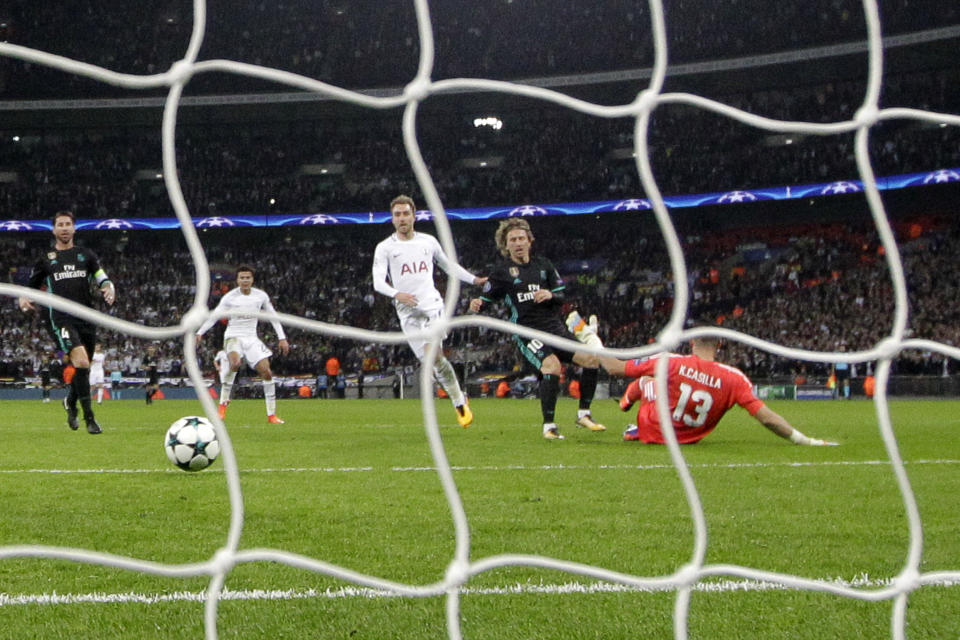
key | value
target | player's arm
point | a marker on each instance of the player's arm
(492, 290)
(277, 327)
(37, 277)
(452, 268)
(380, 267)
(102, 281)
(555, 292)
(779, 425)
(221, 306)
(106, 286)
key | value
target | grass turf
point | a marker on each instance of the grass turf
(351, 483)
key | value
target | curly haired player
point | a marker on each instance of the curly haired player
(530, 287)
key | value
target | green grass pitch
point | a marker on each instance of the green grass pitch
(350, 482)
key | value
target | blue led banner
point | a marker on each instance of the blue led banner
(940, 176)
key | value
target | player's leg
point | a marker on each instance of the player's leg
(540, 357)
(232, 347)
(269, 390)
(70, 400)
(443, 371)
(256, 351)
(65, 343)
(647, 427)
(80, 357)
(550, 370)
(588, 387)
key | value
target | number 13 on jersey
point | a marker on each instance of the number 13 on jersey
(693, 406)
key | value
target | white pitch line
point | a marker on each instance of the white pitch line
(712, 586)
(520, 467)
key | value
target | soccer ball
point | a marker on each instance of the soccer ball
(191, 443)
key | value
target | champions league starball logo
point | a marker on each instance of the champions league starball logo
(113, 223)
(15, 225)
(633, 204)
(839, 188)
(215, 222)
(732, 197)
(941, 177)
(527, 210)
(423, 214)
(319, 218)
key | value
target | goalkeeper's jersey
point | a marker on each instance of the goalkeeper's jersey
(700, 394)
(514, 285)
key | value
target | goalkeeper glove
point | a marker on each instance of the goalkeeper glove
(798, 438)
(585, 332)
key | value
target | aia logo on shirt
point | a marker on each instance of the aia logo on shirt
(414, 267)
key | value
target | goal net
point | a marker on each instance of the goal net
(461, 568)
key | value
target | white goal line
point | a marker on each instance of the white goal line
(510, 467)
(862, 581)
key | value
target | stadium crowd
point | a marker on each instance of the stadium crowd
(540, 155)
(371, 44)
(821, 287)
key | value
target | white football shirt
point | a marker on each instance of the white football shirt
(96, 365)
(243, 326)
(409, 266)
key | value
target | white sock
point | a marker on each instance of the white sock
(100, 395)
(582, 412)
(270, 396)
(227, 387)
(447, 378)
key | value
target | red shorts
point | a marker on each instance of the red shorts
(648, 423)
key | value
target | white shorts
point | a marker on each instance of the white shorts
(250, 349)
(414, 322)
(96, 376)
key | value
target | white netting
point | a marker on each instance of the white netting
(461, 568)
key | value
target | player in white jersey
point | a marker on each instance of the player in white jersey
(96, 371)
(407, 258)
(241, 342)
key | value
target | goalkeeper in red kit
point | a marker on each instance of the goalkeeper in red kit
(700, 391)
